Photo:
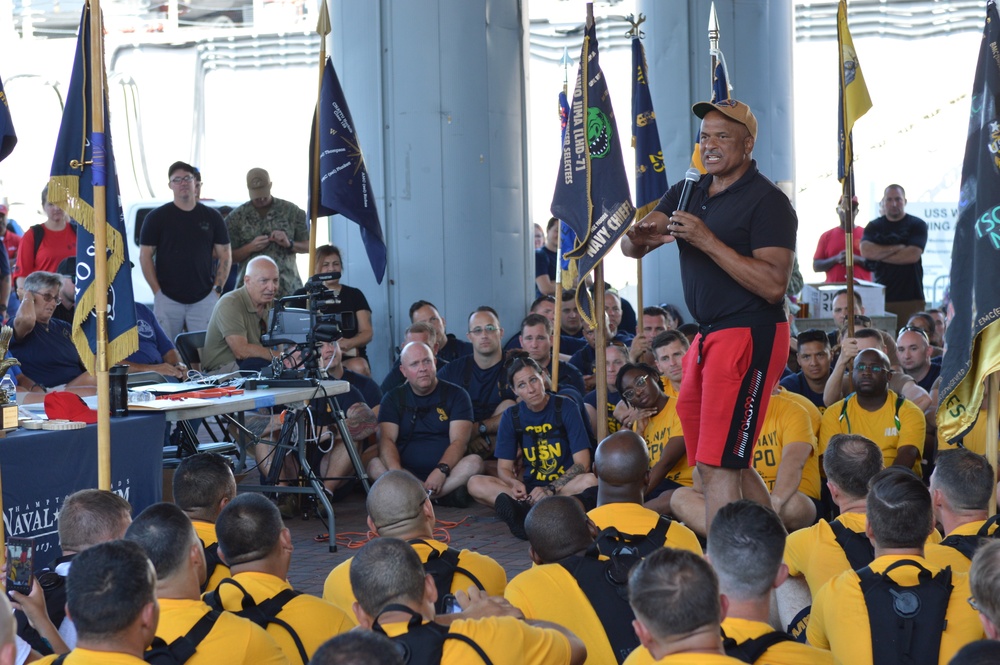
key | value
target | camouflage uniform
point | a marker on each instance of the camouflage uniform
(245, 224)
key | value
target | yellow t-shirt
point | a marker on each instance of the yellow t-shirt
(206, 532)
(314, 620)
(337, 588)
(642, 657)
(741, 630)
(668, 387)
(549, 593)
(80, 656)
(662, 427)
(839, 619)
(232, 639)
(786, 422)
(506, 641)
(879, 426)
(945, 555)
(631, 518)
(815, 412)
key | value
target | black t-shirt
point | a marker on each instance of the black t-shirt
(184, 241)
(454, 349)
(486, 387)
(749, 215)
(901, 282)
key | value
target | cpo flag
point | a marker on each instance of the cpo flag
(592, 194)
(567, 239)
(650, 170)
(344, 185)
(84, 160)
(8, 139)
(973, 337)
(854, 98)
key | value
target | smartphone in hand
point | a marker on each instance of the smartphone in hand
(20, 564)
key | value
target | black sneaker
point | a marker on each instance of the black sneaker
(512, 512)
(458, 498)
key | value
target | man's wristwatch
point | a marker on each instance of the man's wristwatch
(482, 428)
(218, 289)
(444, 468)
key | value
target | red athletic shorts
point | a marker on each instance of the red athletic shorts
(728, 378)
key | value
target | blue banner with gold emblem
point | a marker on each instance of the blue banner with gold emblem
(344, 185)
(650, 171)
(592, 194)
(973, 337)
(7, 136)
(84, 160)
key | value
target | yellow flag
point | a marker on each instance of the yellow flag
(854, 98)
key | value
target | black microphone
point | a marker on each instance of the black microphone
(691, 179)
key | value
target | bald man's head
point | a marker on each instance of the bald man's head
(395, 503)
(622, 459)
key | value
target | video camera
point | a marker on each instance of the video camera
(307, 326)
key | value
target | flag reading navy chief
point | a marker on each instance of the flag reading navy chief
(592, 153)
(84, 160)
(344, 185)
(973, 337)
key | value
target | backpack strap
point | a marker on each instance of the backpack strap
(984, 530)
(423, 642)
(857, 548)
(180, 650)
(594, 577)
(60, 659)
(442, 566)
(968, 545)
(212, 561)
(38, 234)
(610, 539)
(261, 614)
(750, 651)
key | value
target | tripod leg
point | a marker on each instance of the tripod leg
(314, 481)
(352, 451)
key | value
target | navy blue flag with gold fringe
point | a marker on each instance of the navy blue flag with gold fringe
(84, 160)
(592, 194)
(973, 337)
(650, 170)
(344, 185)
(7, 136)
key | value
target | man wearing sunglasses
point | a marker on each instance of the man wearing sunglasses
(896, 424)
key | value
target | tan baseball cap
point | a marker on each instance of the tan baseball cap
(731, 108)
(259, 183)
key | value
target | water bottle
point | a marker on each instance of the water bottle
(9, 388)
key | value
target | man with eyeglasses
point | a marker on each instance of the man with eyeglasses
(177, 242)
(914, 351)
(893, 422)
(482, 376)
(814, 360)
(42, 343)
(424, 428)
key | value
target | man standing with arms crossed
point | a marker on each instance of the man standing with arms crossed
(736, 250)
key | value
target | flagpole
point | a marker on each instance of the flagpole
(323, 29)
(713, 43)
(100, 174)
(846, 190)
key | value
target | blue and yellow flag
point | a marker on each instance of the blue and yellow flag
(721, 90)
(84, 160)
(344, 185)
(650, 170)
(854, 98)
(567, 239)
(7, 136)
(592, 194)
(973, 337)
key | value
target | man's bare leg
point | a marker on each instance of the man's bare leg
(721, 486)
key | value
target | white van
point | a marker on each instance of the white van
(135, 214)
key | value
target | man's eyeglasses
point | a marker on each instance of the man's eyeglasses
(47, 297)
(971, 600)
(916, 329)
(874, 369)
(184, 178)
(479, 330)
(640, 382)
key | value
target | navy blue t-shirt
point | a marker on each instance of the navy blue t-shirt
(47, 354)
(584, 360)
(424, 423)
(153, 341)
(567, 343)
(486, 387)
(545, 264)
(366, 386)
(569, 376)
(548, 451)
(454, 348)
(797, 384)
(323, 411)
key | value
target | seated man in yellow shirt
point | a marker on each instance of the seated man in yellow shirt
(255, 544)
(170, 542)
(961, 486)
(622, 467)
(678, 610)
(902, 607)
(396, 597)
(398, 506)
(203, 485)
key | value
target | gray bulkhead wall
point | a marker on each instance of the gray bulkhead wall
(437, 90)
(756, 40)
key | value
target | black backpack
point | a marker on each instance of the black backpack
(611, 539)
(442, 566)
(751, 650)
(180, 650)
(212, 561)
(261, 614)
(968, 545)
(908, 621)
(856, 546)
(422, 643)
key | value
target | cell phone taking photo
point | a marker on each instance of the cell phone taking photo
(20, 564)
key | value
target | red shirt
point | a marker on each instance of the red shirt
(56, 246)
(11, 241)
(832, 243)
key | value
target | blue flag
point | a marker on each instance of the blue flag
(7, 136)
(344, 185)
(650, 170)
(84, 160)
(567, 239)
(973, 337)
(592, 195)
